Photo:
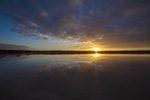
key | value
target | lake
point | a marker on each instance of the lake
(75, 77)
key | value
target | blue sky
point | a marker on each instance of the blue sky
(75, 24)
(8, 36)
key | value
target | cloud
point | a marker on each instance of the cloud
(4, 46)
(99, 21)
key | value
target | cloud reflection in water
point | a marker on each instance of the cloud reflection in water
(106, 78)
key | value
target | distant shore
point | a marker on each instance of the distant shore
(29, 52)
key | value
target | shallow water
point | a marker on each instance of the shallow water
(75, 77)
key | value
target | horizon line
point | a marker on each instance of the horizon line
(74, 52)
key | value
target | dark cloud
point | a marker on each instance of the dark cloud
(99, 21)
(4, 46)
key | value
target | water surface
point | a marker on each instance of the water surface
(75, 77)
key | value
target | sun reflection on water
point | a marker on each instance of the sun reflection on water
(96, 55)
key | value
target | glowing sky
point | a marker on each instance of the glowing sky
(75, 24)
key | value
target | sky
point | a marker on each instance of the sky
(74, 24)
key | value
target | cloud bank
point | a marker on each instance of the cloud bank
(4, 46)
(110, 23)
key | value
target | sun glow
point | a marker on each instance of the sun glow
(96, 49)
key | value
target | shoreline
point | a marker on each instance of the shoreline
(28, 52)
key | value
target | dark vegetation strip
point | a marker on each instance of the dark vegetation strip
(73, 52)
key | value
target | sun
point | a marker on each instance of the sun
(96, 49)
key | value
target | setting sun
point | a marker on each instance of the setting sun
(96, 49)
